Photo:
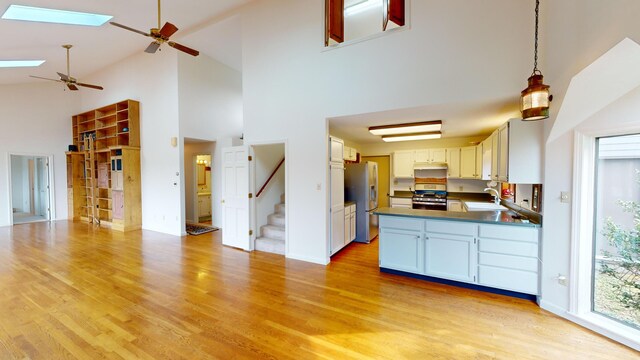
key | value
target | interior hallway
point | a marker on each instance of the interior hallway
(69, 290)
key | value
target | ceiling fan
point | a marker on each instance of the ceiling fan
(160, 35)
(71, 82)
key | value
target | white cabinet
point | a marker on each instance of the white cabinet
(439, 155)
(336, 152)
(431, 156)
(350, 154)
(401, 203)
(486, 158)
(508, 258)
(468, 163)
(498, 256)
(495, 155)
(204, 205)
(450, 251)
(453, 162)
(503, 151)
(403, 164)
(454, 205)
(337, 206)
(349, 224)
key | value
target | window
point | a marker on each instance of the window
(615, 274)
(347, 20)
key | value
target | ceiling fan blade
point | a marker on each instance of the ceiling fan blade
(44, 78)
(152, 48)
(90, 86)
(63, 77)
(183, 48)
(72, 86)
(168, 29)
(128, 28)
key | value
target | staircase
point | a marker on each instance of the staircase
(272, 235)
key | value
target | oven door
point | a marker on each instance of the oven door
(428, 205)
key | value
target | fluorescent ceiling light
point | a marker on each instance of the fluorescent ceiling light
(361, 6)
(28, 13)
(20, 63)
(412, 137)
(418, 127)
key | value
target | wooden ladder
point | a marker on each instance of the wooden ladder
(91, 181)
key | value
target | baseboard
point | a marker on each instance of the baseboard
(307, 259)
(630, 341)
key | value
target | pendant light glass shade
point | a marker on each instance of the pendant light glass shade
(535, 99)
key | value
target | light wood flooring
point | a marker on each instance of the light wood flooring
(70, 291)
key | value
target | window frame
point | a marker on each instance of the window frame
(582, 238)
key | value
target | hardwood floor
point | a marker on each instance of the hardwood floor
(68, 290)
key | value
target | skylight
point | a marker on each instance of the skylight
(28, 13)
(20, 63)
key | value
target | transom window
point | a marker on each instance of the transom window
(348, 20)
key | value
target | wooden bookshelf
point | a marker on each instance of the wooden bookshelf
(104, 175)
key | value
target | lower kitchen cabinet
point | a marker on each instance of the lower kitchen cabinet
(406, 203)
(498, 256)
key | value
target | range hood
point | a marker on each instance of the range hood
(430, 166)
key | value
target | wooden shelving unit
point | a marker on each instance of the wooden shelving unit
(104, 180)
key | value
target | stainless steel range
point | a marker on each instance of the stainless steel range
(430, 197)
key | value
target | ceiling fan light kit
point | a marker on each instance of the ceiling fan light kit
(71, 82)
(535, 99)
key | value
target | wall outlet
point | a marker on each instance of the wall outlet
(565, 197)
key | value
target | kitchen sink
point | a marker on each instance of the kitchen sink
(483, 206)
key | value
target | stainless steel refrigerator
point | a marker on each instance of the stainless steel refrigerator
(361, 186)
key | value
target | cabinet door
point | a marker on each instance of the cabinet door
(439, 155)
(347, 228)
(468, 162)
(117, 180)
(503, 162)
(337, 230)
(454, 205)
(451, 257)
(495, 155)
(403, 164)
(352, 220)
(401, 203)
(118, 205)
(103, 175)
(337, 150)
(208, 205)
(478, 161)
(423, 155)
(453, 161)
(402, 250)
(486, 158)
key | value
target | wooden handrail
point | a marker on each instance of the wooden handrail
(270, 177)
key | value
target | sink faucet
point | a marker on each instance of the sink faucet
(496, 195)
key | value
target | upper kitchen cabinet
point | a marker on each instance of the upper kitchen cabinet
(468, 163)
(403, 162)
(453, 162)
(487, 145)
(495, 155)
(431, 156)
(519, 152)
(350, 154)
(336, 151)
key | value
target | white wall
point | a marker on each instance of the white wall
(210, 101)
(267, 157)
(292, 84)
(36, 119)
(589, 29)
(151, 79)
(19, 183)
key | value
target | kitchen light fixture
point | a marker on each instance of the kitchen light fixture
(418, 127)
(412, 137)
(20, 63)
(28, 13)
(535, 99)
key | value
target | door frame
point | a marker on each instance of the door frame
(252, 186)
(52, 207)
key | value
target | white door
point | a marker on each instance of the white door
(235, 197)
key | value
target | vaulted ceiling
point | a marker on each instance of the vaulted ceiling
(208, 26)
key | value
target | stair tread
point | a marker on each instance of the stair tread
(273, 227)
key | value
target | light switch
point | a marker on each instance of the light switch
(565, 197)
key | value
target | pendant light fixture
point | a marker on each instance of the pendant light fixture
(535, 99)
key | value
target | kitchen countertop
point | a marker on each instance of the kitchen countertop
(347, 203)
(482, 197)
(488, 217)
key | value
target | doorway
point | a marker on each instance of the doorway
(198, 182)
(383, 178)
(30, 189)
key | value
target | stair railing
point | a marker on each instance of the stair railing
(270, 177)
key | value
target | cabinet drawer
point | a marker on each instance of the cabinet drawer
(401, 201)
(509, 232)
(507, 279)
(401, 223)
(508, 261)
(450, 227)
(506, 247)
